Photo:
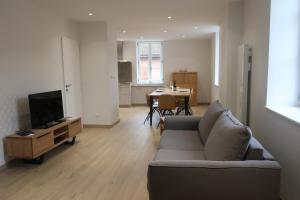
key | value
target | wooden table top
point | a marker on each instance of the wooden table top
(181, 92)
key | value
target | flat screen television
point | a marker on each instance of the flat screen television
(46, 109)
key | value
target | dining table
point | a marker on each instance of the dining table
(178, 93)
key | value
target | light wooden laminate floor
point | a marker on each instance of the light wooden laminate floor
(105, 164)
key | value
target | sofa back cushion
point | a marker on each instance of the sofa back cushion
(208, 120)
(228, 140)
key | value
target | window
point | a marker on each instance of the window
(217, 58)
(149, 63)
(283, 88)
(284, 52)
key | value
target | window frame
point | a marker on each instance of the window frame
(150, 82)
(217, 59)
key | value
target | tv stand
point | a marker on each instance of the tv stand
(33, 147)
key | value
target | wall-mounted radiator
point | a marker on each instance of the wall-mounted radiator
(244, 83)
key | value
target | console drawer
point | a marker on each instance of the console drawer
(74, 128)
(19, 147)
(42, 143)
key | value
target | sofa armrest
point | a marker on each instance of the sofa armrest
(182, 122)
(214, 180)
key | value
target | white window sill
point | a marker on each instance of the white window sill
(291, 113)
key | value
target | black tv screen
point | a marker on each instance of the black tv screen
(45, 108)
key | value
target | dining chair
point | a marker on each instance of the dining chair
(154, 106)
(180, 104)
(166, 105)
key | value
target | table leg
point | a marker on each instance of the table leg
(151, 109)
(186, 105)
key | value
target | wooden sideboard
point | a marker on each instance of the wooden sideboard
(34, 146)
(187, 80)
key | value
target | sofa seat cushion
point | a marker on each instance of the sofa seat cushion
(172, 154)
(181, 140)
(228, 140)
(208, 120)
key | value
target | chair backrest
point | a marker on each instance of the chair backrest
(166, 102)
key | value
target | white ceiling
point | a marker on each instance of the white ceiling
(146, 18)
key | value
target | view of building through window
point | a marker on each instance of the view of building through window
(149, 62)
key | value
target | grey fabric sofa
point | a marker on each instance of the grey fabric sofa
(181, 169)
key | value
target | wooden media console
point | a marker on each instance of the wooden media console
(34, 146)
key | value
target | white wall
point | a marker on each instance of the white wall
(30, 59)
(112, 65)
(231, 39)
(99, 73)
(193, 55)
(279, 135)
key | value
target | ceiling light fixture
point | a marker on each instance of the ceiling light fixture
(170, 17)
(183, 36)
(195, 27)
(124, 31)
(165, 31)
(91, 14)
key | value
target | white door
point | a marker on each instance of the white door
(72, 81)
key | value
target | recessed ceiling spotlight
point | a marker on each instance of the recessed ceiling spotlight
(195, 27)
(170, 17)
(90, 14)
(165, 31)
(124, 31)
